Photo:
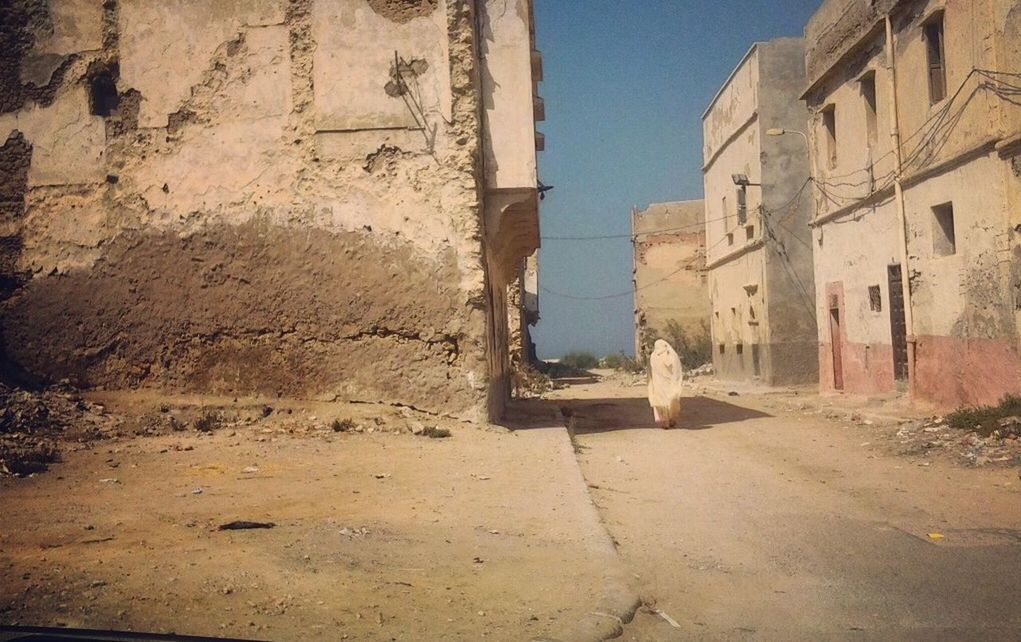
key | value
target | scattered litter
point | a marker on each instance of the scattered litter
(478, 560)
(244, 525)
(733, 394)
(936, 536)
(250, 469)
(196, 491)
(381, 475)
(432, 432)
(110, 480)
(672, 622)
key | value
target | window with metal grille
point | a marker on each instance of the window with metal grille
(875, 299)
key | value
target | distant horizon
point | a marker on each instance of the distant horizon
(624, 98)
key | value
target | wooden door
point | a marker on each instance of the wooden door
(898, 326)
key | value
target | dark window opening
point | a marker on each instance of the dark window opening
(749, 232)
(936, 55)
(944, 238)
(742, 206)
(103, 98)
(740, 348)
(723, 348)
(868, 94)
(875, 299)
(829, 123)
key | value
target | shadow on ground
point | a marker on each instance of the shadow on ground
(620, 413)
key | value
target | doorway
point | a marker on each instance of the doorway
(898, 326)
(836, 342)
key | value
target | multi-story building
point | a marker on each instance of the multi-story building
(670, 279)
(309, 197)
(757, 206)
(916, 130)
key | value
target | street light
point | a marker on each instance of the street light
(778, 131)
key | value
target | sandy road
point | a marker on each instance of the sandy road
(744, 524)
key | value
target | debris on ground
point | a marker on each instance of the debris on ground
(434, 432)
(242, 525)
(1000, 446)
(32, 422)
(704, 370)
(530, 383)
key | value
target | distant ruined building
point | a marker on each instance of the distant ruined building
(670, 278)
(916, 135)
(317, 198)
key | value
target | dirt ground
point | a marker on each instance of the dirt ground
(772, 516)
(378, 536)
(764, 515)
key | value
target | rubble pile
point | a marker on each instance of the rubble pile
(704, 370)
(31, 422)
(1002, 446)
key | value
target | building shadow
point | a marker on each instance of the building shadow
(590, 416)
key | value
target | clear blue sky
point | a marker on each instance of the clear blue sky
(626, 82)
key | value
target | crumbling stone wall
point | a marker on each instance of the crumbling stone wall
(201, 213)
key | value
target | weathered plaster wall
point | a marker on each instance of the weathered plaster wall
(670, 275)
(787, 210)
(846, 267)
(264, 210)
(960, 150)
(760, 271)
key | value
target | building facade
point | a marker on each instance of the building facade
(670, 280)
(322, 198)
(916, 130)
(757, 208)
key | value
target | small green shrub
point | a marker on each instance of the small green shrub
(622, 362)
(208, 421)
(343, 425)
(580, 360)
(985, 419)
(694, 347)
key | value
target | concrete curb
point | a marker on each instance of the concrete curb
(619, 600)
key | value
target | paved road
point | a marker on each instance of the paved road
(743, 525)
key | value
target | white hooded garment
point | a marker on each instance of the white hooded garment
(666, 377)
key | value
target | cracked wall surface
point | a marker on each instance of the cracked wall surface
(959, 152)
(671, 280)
(249, 210)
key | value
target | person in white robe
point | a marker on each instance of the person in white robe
(666, 377)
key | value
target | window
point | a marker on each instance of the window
(740, 348)
(936, 55)
(868, 94)
(749, 232)
(944, 238)
(875, 299)
(726, 215)
(742, 205)
(723, 348)
(730, 238)
(829, 123)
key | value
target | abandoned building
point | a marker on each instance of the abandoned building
(757, 208)
(916, 130)
(317, 198)
(669, 277)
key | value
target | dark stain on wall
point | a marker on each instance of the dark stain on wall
(402, 11)
(21, 21)
(254, 308)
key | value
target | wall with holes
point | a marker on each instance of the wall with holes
(257, 196)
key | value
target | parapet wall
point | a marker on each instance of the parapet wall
(249, 197)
